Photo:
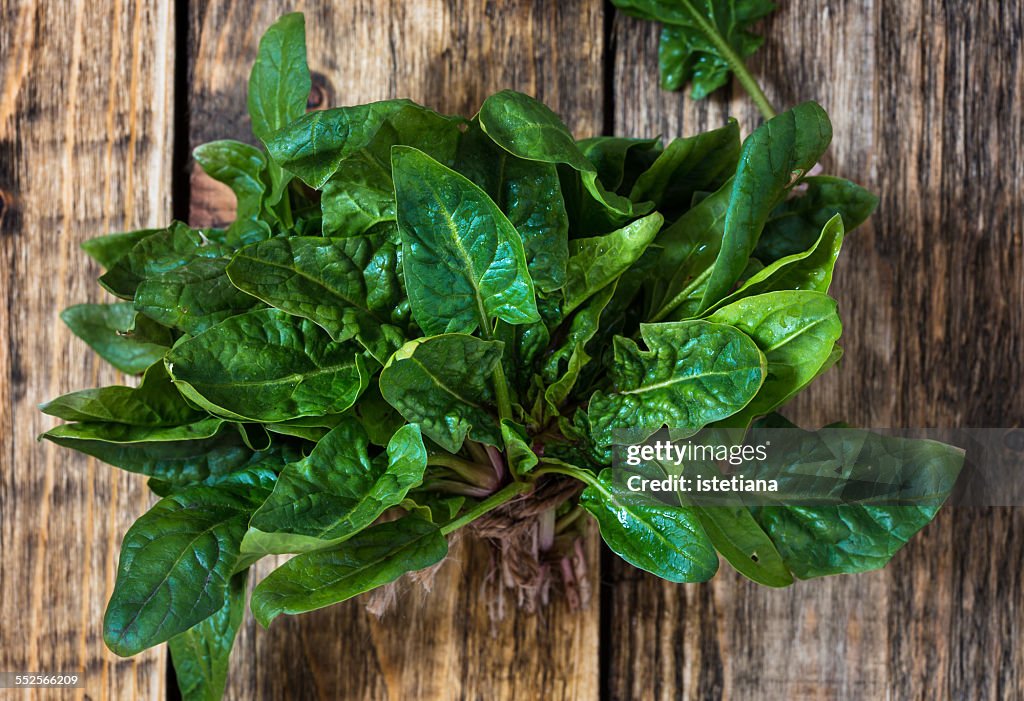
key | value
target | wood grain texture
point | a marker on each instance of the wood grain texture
(449, 56)
(85, 148)
(926, 99)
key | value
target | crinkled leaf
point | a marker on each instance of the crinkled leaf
(266, 365)
(442, 384)
(350, 287)
(376, 556)
(463, 260)
(796, 331)
(360, 195)
(313, 146)
(129, 342)
(694, 373)
(530, 195)
(338, 490)
(194, 297)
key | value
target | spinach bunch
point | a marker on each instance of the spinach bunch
(416, 319)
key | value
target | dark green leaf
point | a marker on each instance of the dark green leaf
(442, 384)
(155, 402)
(176, 564)
(376, 556)
(107, 250)
(464, 261)
(279, 83)
(781, 149)
(129, 342)
(194, 297)
(350, 287)
(620, 160)
(339, 490)
(201, 653)
(268, 366)
(694, 373)
(240, 167)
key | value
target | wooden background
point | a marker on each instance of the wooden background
(100, 103)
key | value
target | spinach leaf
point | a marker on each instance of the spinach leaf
(442, 385)
(694, 373)
(176, 563)
(201, 653)
(376, 556)
(129, 342)
(240, 167)
(338, 490)
(464, 262)
(194, 297)
(268, 366)
(664, 539)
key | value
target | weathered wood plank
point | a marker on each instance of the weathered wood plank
(926, 102)
(85, 148)
(449, 56)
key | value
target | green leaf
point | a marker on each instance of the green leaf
(698, 163)
(782, 148)
(129, 342)
(240, 167)
(194, 297)
(521, 458)
(620, 160)
(737, 536)
(172, 453)
(268, 366)
(796, 224)
(442, 384)
(349, 287)
(155, 402)
(361, 194)
(338, 490)
(664, 539)
(376, 556)
(176, 564)
(314, 145)
(796, 331)
(158, 254)
(694, 373)
(818, 540)
(528, 129)
(686, 53)
(463, 260)
(598, 261)
(107, 250)
(279, 83)
(201, 653)
(810, 270)
(530, 195)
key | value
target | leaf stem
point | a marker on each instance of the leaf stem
(475, 473)
(492, 502)
(735, 62)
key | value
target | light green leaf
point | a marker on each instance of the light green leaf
(463, 260)
(240, 167)
(796, 331)
(107, 250)
(596, 262)
(279, 83)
